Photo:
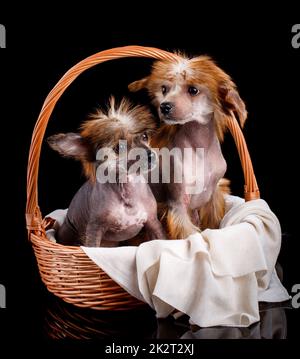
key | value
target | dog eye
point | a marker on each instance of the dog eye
(193, 91)
(145, 137)
(164, 89)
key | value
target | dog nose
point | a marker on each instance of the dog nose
(166, 108)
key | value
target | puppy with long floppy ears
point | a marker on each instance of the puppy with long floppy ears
(108, 210)
(194, 98)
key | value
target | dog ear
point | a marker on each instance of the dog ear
(138, 85)
(231, 101)
(70, 145)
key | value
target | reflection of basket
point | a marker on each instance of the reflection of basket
(65, 321)
(67, 271)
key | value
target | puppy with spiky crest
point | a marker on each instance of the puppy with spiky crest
(194, 99)
(108, 210)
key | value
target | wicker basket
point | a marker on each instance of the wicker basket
(67, 271)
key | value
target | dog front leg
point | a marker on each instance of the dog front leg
(155, 229)
(179, 223)
(211, 214)
(194, 215)
(94, 234)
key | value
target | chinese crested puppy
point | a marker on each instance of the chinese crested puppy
(194, 99)
(115, 202)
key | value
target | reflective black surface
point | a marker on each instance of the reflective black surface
(65, 321)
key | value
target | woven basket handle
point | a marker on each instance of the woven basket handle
(33, 215)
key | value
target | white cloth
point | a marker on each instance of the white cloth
(217, 277)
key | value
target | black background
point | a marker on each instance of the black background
(253, 46)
